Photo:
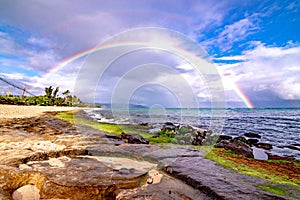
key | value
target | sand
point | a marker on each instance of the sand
(14, 111)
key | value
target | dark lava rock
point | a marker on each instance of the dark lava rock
(241, 138)
(133, 139)
(223, 137)
(216, 181)
(252, 135)
(115, 137)
(145, 124)
(252, 141)
(265, 146)
(237, 147)
(169, 124)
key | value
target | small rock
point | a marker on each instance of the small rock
(241, 138)
(252, 135)
(145, 124)
(54, 162)
(223, 137)
(124, 171)
(154, 177)
(24, 167)
(133, 139)
(265, 146)
(27, 192)
(252, 141)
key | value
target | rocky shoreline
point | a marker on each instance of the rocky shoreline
(49, 158)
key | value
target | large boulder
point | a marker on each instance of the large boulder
(237, 147)
(133, 139)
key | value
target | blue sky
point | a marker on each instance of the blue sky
(254, 45)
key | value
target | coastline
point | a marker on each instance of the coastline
(48, 149)
(16, 111)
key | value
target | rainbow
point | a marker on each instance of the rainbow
(85, 53)
(243, 97)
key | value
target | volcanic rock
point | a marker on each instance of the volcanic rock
(237, 147)
(133, 139)
(252, 135)
(265, 146)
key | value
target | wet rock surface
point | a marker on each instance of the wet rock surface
(237, 147)
(67, 162)
(215, 181)
(133, 139)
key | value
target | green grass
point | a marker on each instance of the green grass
(211, 152)
(273, 189)
(250, 171)
(114, 128)
(106, 127)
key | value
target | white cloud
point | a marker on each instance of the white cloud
(268, 68)
(237, 31)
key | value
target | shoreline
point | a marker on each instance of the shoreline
(33, 142)
(18, 111)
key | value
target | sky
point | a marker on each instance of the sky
(156, 53)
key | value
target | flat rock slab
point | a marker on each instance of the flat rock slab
(82, 177)
(168, 188)
(151, 152)
(214, 180)
(91, 171)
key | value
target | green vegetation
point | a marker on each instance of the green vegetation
(114, 128)
(251, 167)
(272, 170)
(50, 98)
(273, 189)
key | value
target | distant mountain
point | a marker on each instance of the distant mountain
(230, 104)
(108, 105)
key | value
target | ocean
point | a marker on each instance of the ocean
(279, 127)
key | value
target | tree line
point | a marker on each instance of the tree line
(50, 98)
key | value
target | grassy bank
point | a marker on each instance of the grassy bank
(284, 176)
(114, 128)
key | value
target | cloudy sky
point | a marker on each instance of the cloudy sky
(252, 47)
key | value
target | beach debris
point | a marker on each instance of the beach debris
(26, 192)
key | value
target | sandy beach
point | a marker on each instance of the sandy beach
(14, 111)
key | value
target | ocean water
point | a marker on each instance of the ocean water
(280, 127)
